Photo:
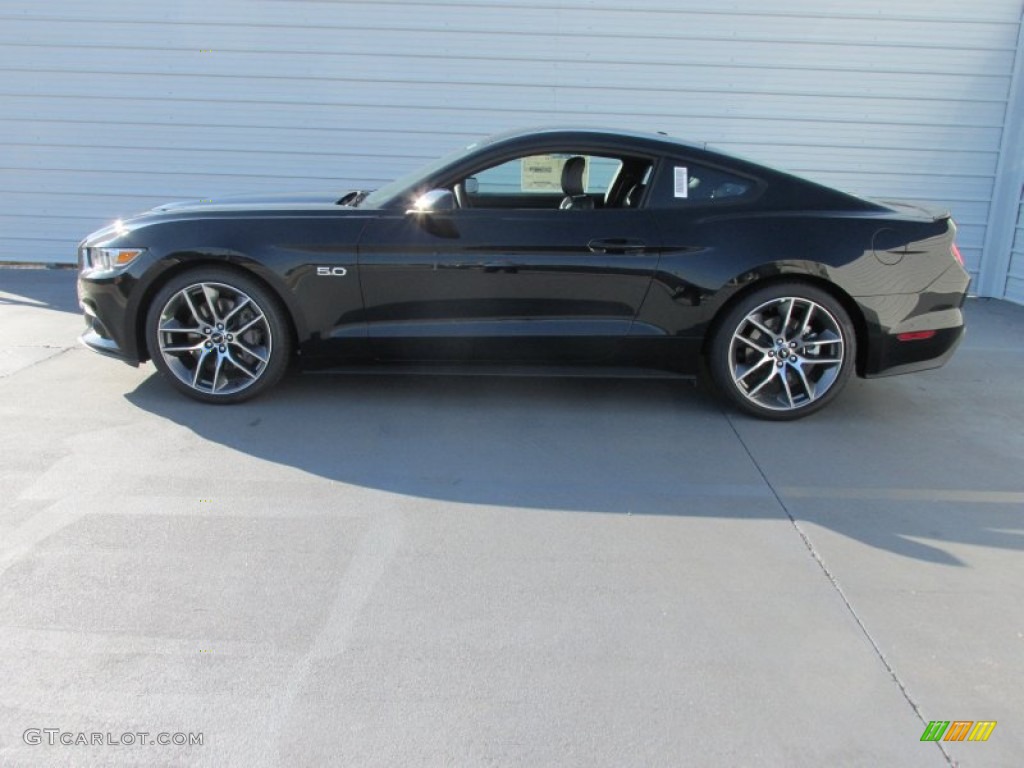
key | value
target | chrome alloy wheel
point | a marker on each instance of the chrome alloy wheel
(786, 353)
(214, 338)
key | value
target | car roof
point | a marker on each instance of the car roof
(659, 142)
(590, 132)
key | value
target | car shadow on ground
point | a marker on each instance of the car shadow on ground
(598, 446)
(549, 443)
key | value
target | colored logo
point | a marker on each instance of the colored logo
(958, 730)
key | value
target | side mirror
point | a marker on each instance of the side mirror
(434, 201)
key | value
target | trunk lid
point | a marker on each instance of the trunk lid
(927, 211)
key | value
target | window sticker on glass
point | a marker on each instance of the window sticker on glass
(682, 182)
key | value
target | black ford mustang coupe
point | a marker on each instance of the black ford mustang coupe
(547, 250)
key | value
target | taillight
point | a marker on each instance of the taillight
(956, 254)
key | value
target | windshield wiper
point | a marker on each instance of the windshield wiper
(352, 199)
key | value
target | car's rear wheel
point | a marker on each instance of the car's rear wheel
(218, 335)
(784, 351)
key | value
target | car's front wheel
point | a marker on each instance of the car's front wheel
(784, 351)
(218, 335)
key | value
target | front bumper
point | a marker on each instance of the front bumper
(103, 305)
(105, 346)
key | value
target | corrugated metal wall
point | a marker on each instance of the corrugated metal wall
(1015, 277)
(110, 107)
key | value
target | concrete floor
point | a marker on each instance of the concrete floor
(426, 571)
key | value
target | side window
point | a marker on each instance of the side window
(680, 183)
(535, 181)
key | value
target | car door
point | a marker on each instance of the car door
(695, 207)
(495, 282)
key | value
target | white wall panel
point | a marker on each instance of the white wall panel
(1015, 277)
(1001, 270)
(110, 107)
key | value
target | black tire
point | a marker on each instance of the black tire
(237, 361)
(783, 352)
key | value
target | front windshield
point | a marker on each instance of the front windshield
(388, 192)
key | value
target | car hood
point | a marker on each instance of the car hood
(216, 207)
(251, 202)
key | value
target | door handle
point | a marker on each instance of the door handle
(617, 245)
(486, 266)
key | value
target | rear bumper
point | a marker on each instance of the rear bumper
(937, 310)
(898, 357)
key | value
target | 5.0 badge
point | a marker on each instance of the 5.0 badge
(331, 271)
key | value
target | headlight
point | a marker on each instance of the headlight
(108, 259)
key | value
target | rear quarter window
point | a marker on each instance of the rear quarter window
(679, 184)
